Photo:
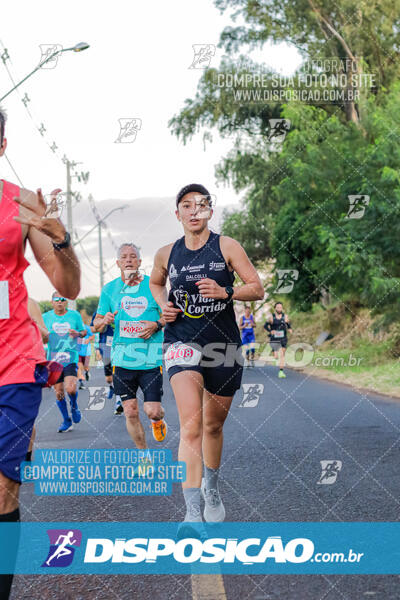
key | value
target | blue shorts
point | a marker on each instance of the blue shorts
(248, 337)
(19, 406)
(70, 370)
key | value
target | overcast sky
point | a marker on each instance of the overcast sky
(137, 66)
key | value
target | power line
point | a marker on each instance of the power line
(13, 170)
(25, 100)
(92, 263)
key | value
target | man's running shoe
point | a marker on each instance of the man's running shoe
(281, 374)
(65, 426)
(118, 409)
(81, 386)
(214, 511)
(110, 392)
(159, 430)
(87, 375)
(76, 415)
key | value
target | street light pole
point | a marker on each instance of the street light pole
(101, 257)
(69, 199)
(77, 48)
(100, 221)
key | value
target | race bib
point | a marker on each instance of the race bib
(109, 340)
(4, 300)
(130, 329)
(181, 355)
(61, 357)
(279, 334)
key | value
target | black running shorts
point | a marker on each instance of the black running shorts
(127, 381)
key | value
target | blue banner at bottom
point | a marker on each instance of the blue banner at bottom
(227, 548)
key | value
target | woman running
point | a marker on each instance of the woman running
(200, 321)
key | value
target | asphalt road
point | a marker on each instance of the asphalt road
(270, 469)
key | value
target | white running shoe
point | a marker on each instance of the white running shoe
(214, 511)
(192, 527)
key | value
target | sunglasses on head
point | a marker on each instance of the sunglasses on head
(57, 299)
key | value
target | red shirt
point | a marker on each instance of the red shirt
(21, 346)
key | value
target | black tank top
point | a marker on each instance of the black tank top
(204, 320)
(280, 326)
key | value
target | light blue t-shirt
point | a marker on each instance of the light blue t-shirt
(134, 304)
(84, 347)
(61, 346)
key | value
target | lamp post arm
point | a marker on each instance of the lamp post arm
(30, 74)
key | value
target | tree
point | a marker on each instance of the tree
(89, 304)
(296, 195)
(366, 34)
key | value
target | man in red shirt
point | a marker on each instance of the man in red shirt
(22, 219)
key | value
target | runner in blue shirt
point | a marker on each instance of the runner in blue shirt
(64, 327)
(103, 343)
(85, 351)
(247, 325)
(136, 352)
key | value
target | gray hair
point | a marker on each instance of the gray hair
(3, 119)
(131, 245)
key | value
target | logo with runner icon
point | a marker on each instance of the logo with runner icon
(251, 394)
(278, 129)
(286, 280)
(203, 54)
(128, 130)
(97, 397)
(330, 471)
(46, 51)
(357, 206)
(63, 543)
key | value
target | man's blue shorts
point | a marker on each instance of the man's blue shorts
(248, 337)
(19, 406)
(70, 370)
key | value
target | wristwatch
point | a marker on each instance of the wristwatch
(159, 326)
(64, 244)
(229, 290)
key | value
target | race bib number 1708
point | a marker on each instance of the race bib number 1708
(181, 355)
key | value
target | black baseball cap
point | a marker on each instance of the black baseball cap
(192, 187)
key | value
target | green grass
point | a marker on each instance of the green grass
(357, 354)
(366, 364)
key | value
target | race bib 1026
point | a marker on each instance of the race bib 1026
(130, 329)
(279, 334)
